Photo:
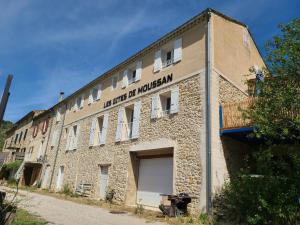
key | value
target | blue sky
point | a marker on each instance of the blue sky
(51, 46)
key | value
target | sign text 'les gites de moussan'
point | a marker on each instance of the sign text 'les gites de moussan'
(147, 87)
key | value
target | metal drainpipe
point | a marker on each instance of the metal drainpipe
(57, 148)
(208, 117)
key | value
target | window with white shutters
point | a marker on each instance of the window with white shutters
(168, 55)
(165, 103)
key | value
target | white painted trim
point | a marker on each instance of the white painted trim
(198, 72)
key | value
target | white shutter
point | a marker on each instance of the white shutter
(177, 50)
(157, 61)
(75, 105)
(76, 137)
(154, 106)
(69, 138)
(99, 92)
(175, 100)
(120, 124)
(91, 97)
(136, 120)
(92, 131)
(58, 115)
(138, 71)
(104, 129)
(125, 79)
(54, 138)
(81, 101)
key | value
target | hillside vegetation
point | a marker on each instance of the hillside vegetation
(5, 126)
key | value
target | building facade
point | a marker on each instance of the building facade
(151, 125)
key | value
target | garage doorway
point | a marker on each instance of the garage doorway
(155, 178)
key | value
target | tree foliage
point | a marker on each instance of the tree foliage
(276, 111)
(266, 192)
(5, 126)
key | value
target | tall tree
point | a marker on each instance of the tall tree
(276, 111)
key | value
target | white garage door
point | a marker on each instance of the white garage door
(155, 178)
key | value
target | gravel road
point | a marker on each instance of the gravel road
(62, 212)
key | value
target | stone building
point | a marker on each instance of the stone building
(153, 124)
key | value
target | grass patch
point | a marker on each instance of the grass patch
(25, 218)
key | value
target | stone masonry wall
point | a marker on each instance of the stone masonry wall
(184, 128)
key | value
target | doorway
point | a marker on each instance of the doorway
(103, 181)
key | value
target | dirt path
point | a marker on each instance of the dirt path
(62, 212)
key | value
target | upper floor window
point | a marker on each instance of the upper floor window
(114, 82)
(95, 93)
(16, 138)
(79, 102)
(128, 122)
(168, 55)
(132, 74)
(98, 130)
(165, 103)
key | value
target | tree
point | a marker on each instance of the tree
(5, 126)
(276, 111)
(267, 189)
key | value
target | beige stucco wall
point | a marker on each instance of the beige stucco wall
(193, 59)
(231, 57)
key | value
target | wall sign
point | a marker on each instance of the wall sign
(141, 90)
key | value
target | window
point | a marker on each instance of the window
(72, 138)
(98, 130)
(114, 82)
(168, 55)
(95, 93)
(79, 102)
(132, 74)
(128, 122)
(165, 103)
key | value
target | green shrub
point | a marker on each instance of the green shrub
(271, 197)
(13, 165)
(67, 190)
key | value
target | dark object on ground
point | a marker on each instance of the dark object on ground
(178, 205)
(109, 196)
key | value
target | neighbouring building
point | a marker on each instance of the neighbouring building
(164, 121)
